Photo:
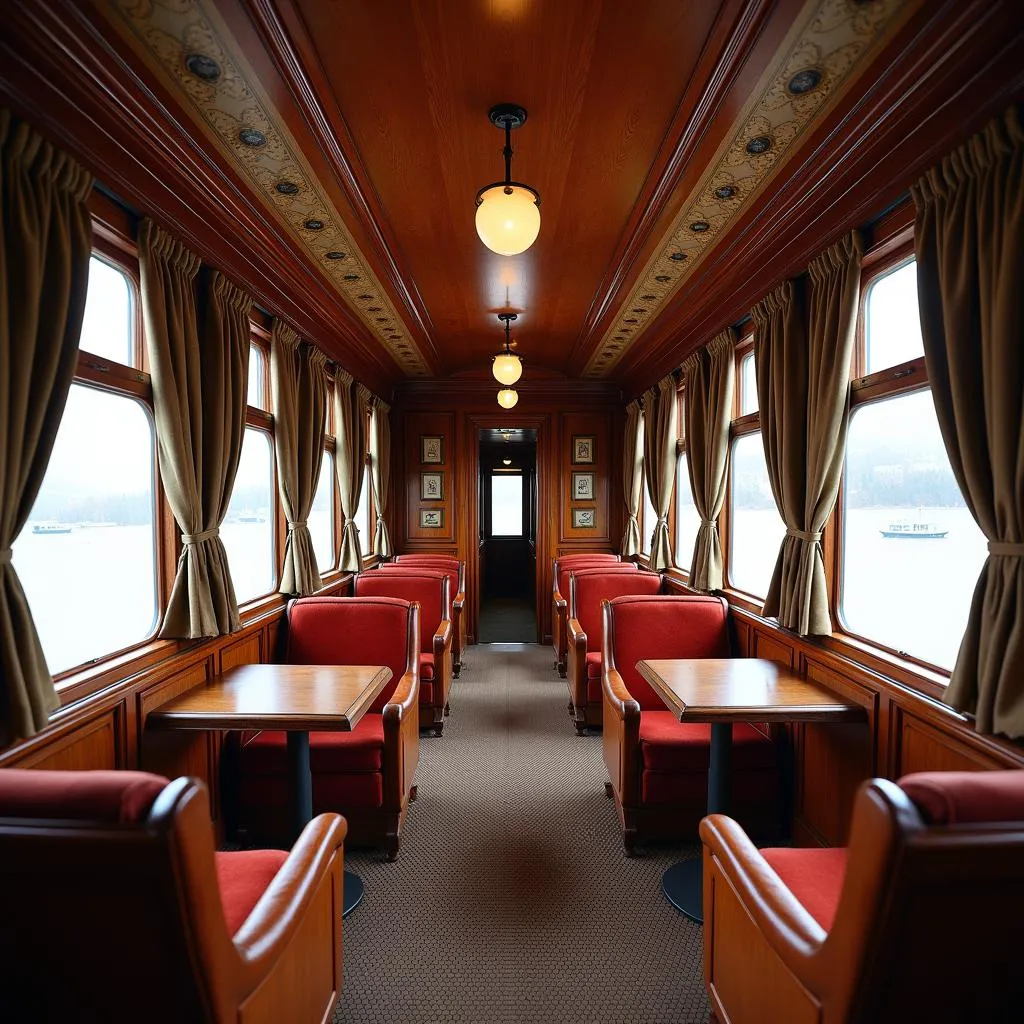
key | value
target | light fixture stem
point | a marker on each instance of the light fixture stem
(507, 151)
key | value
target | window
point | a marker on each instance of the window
(248, 527)
(757, 528)
(363, 515)
(257, 392)
(649, 520)
(687, 518)
(87, 557)
(507, 505)
(910, 551)
(321, 515)
(748, 385)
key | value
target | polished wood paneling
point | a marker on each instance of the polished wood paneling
(598, 428)
(94, 743)
(921, 747)
(452, 506)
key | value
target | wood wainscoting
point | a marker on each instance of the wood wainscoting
(107, 728)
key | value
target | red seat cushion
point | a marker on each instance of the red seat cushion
(243, 877)
(426, 669)
(107, 796)
(427, 587)
(361, 750)
(340, 792)
(593, 676)
(564, 571)
(814, 877)
(668, 745)
(952, 798)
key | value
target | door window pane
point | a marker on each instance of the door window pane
(911, 549)
(87, 557)
(891, 319)
(507, 505)
(107, 328)
(748, 385)
(757, 528)
(248, 527)
(687, 517)
(321, 516)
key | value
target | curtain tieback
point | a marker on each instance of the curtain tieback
(1006, 548)
(292, 527)
(662, 521)
(811, 538)
(5, 556)
(196, 538)
(709, 522)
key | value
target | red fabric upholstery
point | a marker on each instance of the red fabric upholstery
(960, 798)
(594, 664)
(425, 560)
(668, 745)
(666, 627)
(243, 877)
(426, 670)
(587, 556)
(814, 877)
(104, 796)
(361, 750)
(370, 631)
(564, 571)
(589, 587)
(408, 569)
(340, 792)
(426, 587)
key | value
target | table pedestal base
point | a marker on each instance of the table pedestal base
(353, 893)
(683, 884)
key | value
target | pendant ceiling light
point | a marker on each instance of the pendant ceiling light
(507, 212)
(507, 367)
(507, 398)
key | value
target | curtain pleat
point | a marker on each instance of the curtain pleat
(709, 376)
(969, 236)
(199, 394)
(298, 378)
(661, 431)
(46, 239)
(350, 418)
(803, 387)
(633, 477)
(380, 473)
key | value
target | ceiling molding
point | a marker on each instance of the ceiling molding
(827, 48)
(233, 110)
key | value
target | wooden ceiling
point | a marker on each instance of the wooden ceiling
(376, 110)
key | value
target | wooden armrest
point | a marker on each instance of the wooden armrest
(619, 698)
(576, 634)
(281, 909)
(558, 600)
(405, 696)
(443, 636)
(787, 927)
(460, 600)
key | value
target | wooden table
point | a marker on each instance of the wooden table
(723, 691)
(292, 698)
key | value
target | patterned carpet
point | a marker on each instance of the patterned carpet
(507, 620)
(511, 899)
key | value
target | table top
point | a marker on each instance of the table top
(289, 697)
(743, 690)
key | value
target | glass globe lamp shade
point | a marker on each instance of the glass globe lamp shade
(508, 219)
(507, 398)
(506, 462)
(507, 368)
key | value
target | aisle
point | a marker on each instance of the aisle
(511, 899)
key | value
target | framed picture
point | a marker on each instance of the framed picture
(432, 486)
(431, 450)
(582, 449)
(432, 518)
(584, 519)
(583, 487)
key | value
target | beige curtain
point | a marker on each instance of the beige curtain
(633, 477)
(350, 420)
(46, 235)
(803, 389)
(380, 472)
(199, 388)
(709, 377)
(298, 378)
(661, 431)
(970, 278)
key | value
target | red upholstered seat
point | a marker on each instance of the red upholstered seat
(243, 877)
(456, 570)
(560, 568)
(960, 798)
(813, 876)
(668, 745)
(104, 796)
(430, 589)
(361, 750)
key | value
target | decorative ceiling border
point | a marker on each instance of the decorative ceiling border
(829, 44)
(189, 45)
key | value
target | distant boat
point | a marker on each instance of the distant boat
(52, 528)
(916, 530)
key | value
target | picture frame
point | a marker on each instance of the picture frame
(432, 486)
(582, 449)
(431, 518)
(584, 519)
(431, 450)
(583, 487)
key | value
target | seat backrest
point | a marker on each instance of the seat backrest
(587, 556)
(639, 627)
(105, 871)
(354, 631)
(562, 579)
(967, 798)
(430, 589)
(425, 569)
(589, 587)
(446, 560)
